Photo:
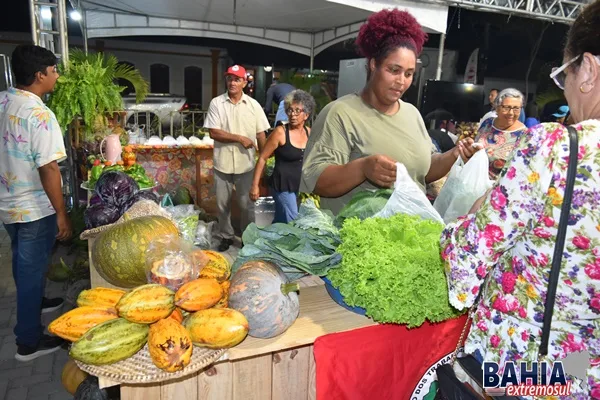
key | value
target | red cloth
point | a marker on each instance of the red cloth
(382, 362)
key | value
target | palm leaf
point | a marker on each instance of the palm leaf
(87, 88)
(133, 75)
(550, 95)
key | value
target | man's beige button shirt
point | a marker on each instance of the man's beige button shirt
(246, 118)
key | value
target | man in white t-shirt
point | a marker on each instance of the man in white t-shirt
(237, 124)
(32, 208)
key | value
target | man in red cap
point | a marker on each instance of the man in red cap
(237, 124)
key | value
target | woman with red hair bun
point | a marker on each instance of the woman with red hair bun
(357, 139)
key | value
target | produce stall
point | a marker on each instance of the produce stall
(278, 368)
(188, 166)
(165, 317)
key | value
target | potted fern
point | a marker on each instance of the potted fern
(87, 90)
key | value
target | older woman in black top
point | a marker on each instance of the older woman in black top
(287, 142)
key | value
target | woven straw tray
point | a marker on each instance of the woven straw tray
(139, 368)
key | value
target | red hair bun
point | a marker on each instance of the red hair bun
(389, 28)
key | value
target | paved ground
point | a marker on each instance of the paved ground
(34, 380)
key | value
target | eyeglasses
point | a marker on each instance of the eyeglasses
(507, 109)
(559, 75)
(294, 111)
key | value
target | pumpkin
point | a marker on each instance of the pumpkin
(109, 342)
(119, 254)
(73, 324)
(224, 302)
(261, 291)
(146, 304)
(217, 328)
(177, 315)
(89, 389)
(100, 296)
(72, 376)
(170, 345)
(216, 267)
(199, 294)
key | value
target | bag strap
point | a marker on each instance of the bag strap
(565, 210)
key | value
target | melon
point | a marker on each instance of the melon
(119, 254)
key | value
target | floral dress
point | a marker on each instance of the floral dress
(511, 241)
(498, 144)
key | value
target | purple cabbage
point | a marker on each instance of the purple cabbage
(95, 199)
(100, 214)
(116, 189)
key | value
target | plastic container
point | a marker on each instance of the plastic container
(264, 211)
(338, 298)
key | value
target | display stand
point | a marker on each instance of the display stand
(259, 369)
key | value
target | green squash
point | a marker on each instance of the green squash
(119, 254)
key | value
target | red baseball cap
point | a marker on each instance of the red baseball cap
(236, 70)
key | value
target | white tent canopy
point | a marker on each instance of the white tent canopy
(307, 27)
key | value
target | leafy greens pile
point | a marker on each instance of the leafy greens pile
(363, 205)
(307, 246)
(392, 268)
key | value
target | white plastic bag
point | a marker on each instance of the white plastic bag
(408, 198)
(465, 184)
(204, 235)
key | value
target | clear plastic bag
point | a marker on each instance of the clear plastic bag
(408, 198)
(204, 235)
(170, 262)
(186, 217)
(465, 184)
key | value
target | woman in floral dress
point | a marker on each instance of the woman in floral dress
(509, 235)
(499, 135)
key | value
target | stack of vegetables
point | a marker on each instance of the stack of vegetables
(391, 267)
(306, 246)
(110, 325)
(128, 165)
(114, 193)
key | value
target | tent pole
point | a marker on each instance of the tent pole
(312, 53)
(438, 75)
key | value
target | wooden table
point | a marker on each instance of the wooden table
(259, 369)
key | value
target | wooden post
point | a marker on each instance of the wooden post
(214, 54)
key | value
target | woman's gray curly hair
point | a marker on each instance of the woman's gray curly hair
(508, 93)
(300, 97)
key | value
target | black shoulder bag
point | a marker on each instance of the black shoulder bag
(449, 386)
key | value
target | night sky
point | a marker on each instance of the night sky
(511, 40)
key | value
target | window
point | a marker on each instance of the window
(193, 86)
(159, 78)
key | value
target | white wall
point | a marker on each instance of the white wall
(144, 54)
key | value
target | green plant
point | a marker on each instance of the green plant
(87, 88)
(313, 85)
(548, 96)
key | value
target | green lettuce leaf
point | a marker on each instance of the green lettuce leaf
(393, 269)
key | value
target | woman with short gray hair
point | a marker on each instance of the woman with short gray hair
(500, 134)
(287, 142)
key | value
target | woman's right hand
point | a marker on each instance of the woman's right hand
(380, 170)
(254, 193)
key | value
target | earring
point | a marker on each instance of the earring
(586, 91)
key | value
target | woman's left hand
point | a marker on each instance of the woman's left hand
(464, 148)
